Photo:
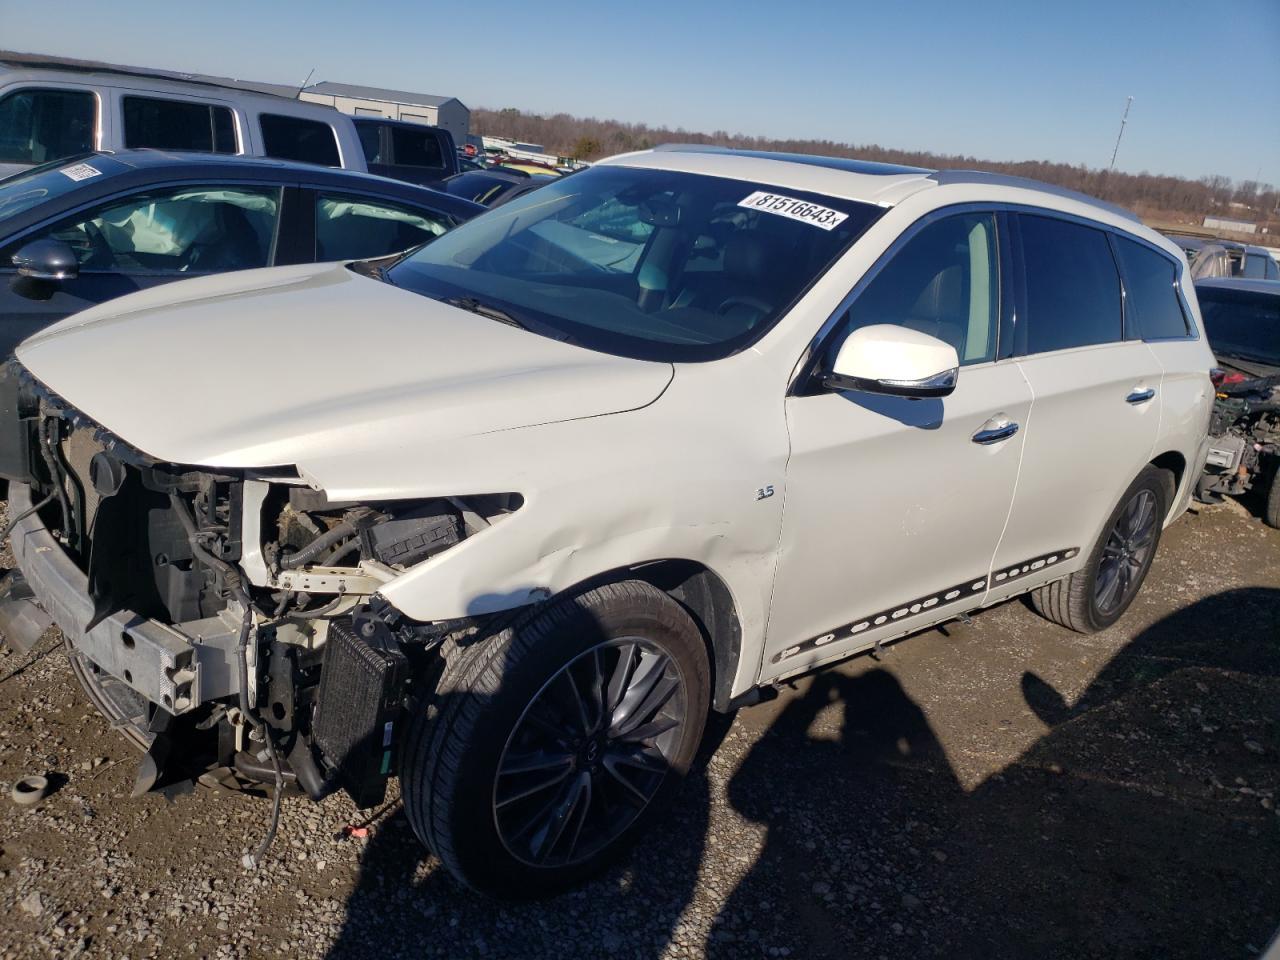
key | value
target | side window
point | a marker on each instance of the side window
(37, 126)
(293, 138)
(1073, 288)
(178, 125)
(1259, 266)
(1151, 302)
(370, 142)
(1273, 271)
(944, 281)
(360, 228)
(416, 148)
(189, 229)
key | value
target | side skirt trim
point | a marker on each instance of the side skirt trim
(942, 598)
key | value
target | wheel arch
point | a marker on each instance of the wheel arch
(706, 597)
(1176, 464)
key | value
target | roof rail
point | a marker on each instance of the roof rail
(845, 164)
(689, 148)
(40, 61)
(945, 177)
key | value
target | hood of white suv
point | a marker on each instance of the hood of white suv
(266, 367)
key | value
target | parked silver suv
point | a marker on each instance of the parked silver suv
(54, 108)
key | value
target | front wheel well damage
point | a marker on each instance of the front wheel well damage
(706, 598)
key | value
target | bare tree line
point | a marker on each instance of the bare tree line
(588, 138)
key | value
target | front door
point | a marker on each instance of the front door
(894, 507)
(128, 244)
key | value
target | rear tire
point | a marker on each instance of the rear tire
(1080, 601)
(544, 699)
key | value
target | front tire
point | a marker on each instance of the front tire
(1271, 500)
(551, 741)
(1098, 594)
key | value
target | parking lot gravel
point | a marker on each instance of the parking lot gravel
(1001, 788)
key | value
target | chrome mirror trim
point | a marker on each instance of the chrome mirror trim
(939, 385)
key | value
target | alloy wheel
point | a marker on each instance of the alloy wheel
(1126, 552)
(589, 752)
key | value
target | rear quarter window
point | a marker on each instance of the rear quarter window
(416, 148)
(1153, 309)
(296, 138)
(370, 141)
(1255, 266)
(1072, 285)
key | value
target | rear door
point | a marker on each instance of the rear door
(351, 225)
(1096, 412)
(146, 238)
(1157, 313)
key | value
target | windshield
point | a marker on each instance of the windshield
(643, 263)
(1241, 323)
(30, 187)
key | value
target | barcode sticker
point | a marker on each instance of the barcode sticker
(80, 171)
(811, 213)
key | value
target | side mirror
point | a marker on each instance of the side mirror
(47, 260)
(894, 360)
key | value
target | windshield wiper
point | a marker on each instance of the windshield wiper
(472, 305)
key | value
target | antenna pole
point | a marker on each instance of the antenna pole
(313, 70)
(1123, 120)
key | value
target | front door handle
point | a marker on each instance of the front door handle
(995, 430)
(1140, 395)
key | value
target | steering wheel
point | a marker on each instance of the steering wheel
(100, 254)
(755, 303)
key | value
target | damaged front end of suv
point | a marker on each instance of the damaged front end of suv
(228, 622)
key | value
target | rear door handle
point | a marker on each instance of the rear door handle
(995, 430)
(1140, 395)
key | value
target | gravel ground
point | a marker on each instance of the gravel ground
(997, 789)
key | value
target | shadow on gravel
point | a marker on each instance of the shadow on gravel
(1141, 825)
(1138, 826)
(406, 904)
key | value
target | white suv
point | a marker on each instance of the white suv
(637, 445)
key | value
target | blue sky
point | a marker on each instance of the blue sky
(1007, 80)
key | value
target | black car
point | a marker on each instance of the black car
(413, 152)
(491, 186)
(1242, 322)
(84, 230)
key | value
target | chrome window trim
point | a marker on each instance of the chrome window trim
(802, 372)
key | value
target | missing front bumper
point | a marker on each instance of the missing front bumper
(177, 668)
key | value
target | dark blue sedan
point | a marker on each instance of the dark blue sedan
(84, 230)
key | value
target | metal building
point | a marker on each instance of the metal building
(1227, 223)
(358, 101)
